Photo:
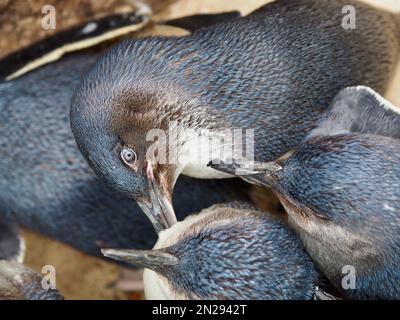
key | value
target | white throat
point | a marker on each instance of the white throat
(198, 152)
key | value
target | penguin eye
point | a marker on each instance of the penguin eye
(128, 155)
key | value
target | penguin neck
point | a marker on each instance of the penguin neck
(208, 146)
(200, 145)
(329, 243)
(156, 285)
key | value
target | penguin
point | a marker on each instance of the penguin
(47, 186)
(17, 281)
(341, 190)
(138, 113)
(226, 252)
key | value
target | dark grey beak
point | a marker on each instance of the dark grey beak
(156, 260)
(159, 207)
(251, 171)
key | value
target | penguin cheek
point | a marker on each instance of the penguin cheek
(134, 167)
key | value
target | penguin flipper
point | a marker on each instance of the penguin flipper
(362, 110)
(198, 21)
(12, 244)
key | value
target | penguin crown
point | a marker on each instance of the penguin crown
(226, 253)
(362, 169)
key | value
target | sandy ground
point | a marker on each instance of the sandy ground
(77, 275)
(80, 276)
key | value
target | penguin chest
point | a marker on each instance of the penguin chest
(154, 289)
(333, 248)
(199, 151)
(157, 287)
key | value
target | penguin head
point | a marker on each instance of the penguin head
(346, 178)
(225, 252)
(331, 174)
(343, 180)
(120, 117)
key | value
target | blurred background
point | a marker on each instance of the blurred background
(80, 276)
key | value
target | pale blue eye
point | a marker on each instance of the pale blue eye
(128, 155)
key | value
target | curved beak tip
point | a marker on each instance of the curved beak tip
(159, 210)
(111, 253)
(158, 207)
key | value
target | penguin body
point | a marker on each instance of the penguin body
(229, 251)
(47, 186)
(274, 71)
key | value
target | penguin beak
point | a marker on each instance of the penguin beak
(253, 172)
(156, 260)
(159, 207)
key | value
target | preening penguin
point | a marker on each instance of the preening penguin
(228, 251)
(342, 194)
(273, 71)
(48, 187)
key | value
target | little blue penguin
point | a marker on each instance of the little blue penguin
(17, 281)
(341, 189)
(270, 74)
(226, 252)
(47, 186)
